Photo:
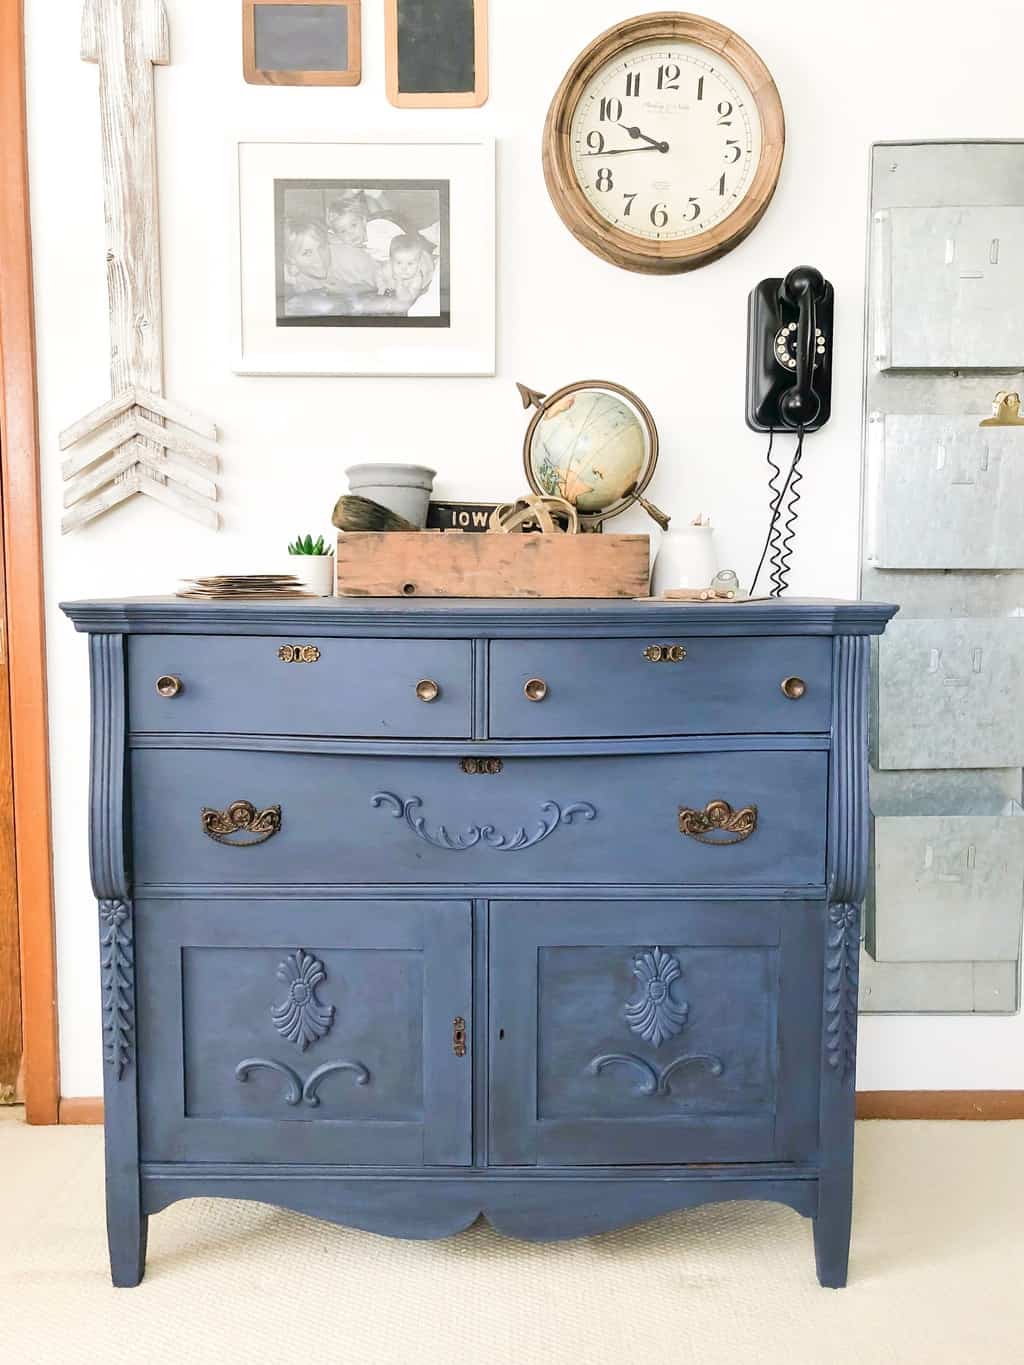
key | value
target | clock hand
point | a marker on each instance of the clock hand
(621, 151)
(635, 133)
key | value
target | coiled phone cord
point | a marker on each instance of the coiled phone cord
(779, 542)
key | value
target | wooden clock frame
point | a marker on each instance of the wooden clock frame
(582, 219)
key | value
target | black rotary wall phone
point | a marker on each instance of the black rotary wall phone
(789, 388)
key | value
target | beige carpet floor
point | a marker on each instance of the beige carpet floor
(937, 1275)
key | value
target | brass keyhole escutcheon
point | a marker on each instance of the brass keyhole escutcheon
(794, 688)
(459, 1036)
(665, 654)
(169, 686)
(536, 689)
(428, 690)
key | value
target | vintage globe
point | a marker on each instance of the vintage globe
(590, 447)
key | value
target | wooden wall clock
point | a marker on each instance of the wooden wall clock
(664, 142)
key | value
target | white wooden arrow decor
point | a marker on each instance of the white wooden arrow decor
(143, 442)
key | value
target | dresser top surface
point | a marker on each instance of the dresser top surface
(478, 616)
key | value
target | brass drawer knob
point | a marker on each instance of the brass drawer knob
(536, 689)
(793, 688)
(169, 685)
(665, 654)
(427, 690)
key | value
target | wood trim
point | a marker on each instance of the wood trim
(255, 75)
(871, 1104)
(19, 469)
(456, 99)
(940, 1104)
(87, 1109)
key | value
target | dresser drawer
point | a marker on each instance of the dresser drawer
(254, 684)
(693, 685)
(752, 818)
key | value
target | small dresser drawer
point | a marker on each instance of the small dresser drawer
(257, 818)
(664, 685)
(263, 685)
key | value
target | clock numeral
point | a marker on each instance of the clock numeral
(693, 210)
(604, 180)
(721, 184)
(732, 146)
(629, 204)
(611, 110)
(632, 82)
(700, 88)
(668, 77)
(595, 141)
(724, 110)
(659, 216)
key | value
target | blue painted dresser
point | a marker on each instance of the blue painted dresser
(416, 911)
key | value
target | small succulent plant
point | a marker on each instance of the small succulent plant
(306, 545)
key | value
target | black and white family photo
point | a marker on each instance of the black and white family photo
(362, 253)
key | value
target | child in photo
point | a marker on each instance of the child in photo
(352, 267)
(409, 271)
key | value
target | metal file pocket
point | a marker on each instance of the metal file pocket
(947, 888)
(943, 493)
(944, 278)
(949, 694)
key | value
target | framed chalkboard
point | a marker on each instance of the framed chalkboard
(436, 53)
(293, 42)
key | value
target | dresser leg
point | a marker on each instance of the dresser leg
(832, 1229)
(126, 1238)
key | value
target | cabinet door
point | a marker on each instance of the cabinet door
(654, 1032)
(294, 1031)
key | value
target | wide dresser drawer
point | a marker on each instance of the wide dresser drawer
(209, 816)
(641, 685)
(264, 685)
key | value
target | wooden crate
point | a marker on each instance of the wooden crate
(461, 564)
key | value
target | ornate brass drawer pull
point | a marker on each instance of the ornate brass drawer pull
(428, 690)
(665, 654)
(298, 654)
(169, 686)
(459, 1036)
(241, 818)
(481, 765)
(718, 818)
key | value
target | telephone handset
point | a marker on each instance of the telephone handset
(789, 352)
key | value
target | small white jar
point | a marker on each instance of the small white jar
(315, 571)
(686, 559)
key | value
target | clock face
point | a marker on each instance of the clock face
(663, 143)
(665, 140)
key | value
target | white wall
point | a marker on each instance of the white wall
(847, 74)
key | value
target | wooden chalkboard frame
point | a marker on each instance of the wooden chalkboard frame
(255, 75)
(454, 99)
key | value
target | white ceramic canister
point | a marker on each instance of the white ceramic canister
(686, 559)
(315, 571)
(403, 488)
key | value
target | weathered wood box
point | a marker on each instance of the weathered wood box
(461, 564)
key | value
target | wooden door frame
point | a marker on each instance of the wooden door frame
(23, 562)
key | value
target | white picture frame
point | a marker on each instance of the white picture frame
(364, 257)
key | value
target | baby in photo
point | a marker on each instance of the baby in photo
(409, 270)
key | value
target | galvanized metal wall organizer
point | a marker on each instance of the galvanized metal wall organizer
(944, 537)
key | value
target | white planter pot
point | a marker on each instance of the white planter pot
(686, 559)
(403, 488)
(316, 571)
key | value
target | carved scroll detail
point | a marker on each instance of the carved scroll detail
(653, 1081)
(301, 1018)
(656, 1016)
(553, 816)
(117, 977)
(296, 1089)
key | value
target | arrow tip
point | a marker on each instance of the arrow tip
(532, 398)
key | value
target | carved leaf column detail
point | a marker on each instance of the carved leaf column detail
(842, 969)
(117, 966)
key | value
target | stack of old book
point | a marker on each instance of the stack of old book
(244, 587)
